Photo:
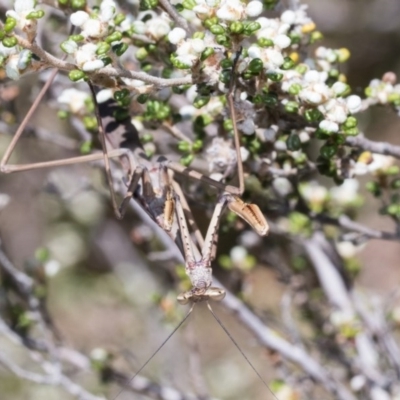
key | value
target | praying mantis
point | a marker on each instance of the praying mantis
(151, 184)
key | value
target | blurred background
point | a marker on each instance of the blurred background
(110, 284)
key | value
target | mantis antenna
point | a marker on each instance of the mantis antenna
(158, 349)
(240, 350)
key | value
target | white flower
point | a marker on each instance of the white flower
(137, 124)
(304, 136)
(158, 27)
(74, 99)
(346, 193)
(315, 91)
(93, 28)
(107, 10)
(85, 53)
(297, 17)
(69, 46)
(139, 86)
(372, 163)
(312, 76)
(133, 82)
(282, 41)
(269, 134)
(231, 10)
(103, 95)
(247, 127)
(379, 394)
(202, 10)
(358, 382)
(198, 45)
(326, 54)
(86, 57)
(214, 107)
(313, 192)
(339, 88)
(238, 254)
(79, 18)
(290, 78)
(282, 186)
(244, 96)
(346, 249)
(92, 65)
(176, 35)
(275, 30)
(139, 27)
(7, 51)
(254, 51)
(187, 111)
(186, 55)
(329, 126)
(380, 162)
(217, 176)
(288, 17)
(191, 94)
(353, 103)
(335, 110)
(24, 60)
(271, 58)
(254, 8)
(341, 318)
(280, 145)
(12, 70)
(189, 51)
(22, 8)
(52, 267)
(98, 354)
(311, 97)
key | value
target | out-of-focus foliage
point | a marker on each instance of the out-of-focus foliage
(310, 85)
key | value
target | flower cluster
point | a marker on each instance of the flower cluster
(310, 89)
(384, 91)
(24, 17)
(227, 10)
(155, 28)
(97, 36)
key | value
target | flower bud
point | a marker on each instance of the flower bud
(10, 24)
(201, 101)
(10, 41)
(120, 48)
(217, 29)
(256, 66)
(114, 37)
(76, 75)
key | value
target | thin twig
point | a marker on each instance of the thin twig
(363, 143)
(54, 62)
(174, 131)
(345, 222)
(178, 19)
